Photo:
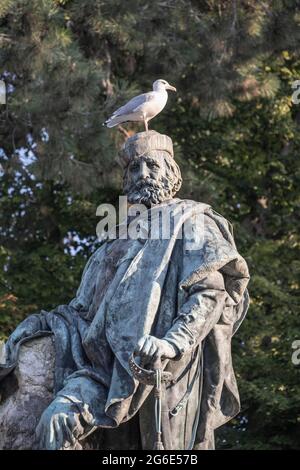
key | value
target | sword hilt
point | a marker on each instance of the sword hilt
(147, 376)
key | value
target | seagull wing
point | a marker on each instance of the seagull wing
(133, 104)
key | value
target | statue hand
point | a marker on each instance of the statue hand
(60, 426)
(151, 349)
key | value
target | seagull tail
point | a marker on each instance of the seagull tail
(113, 121)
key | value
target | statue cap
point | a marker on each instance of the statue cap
(143, 142)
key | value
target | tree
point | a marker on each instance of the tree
(67, 64)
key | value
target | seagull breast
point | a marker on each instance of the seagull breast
(154, 105)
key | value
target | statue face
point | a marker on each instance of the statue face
(149, 179)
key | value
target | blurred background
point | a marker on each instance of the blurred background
(66, 65)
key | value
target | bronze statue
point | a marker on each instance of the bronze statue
(143, 352)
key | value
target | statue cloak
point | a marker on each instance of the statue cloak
(141, 286)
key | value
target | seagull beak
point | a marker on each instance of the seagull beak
(170, 87)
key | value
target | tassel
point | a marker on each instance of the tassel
(158, 444)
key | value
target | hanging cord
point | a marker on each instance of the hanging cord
(195, 425)
(157, 394)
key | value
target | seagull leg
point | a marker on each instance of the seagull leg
(146, 124)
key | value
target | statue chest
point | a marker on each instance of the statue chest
(115, 253)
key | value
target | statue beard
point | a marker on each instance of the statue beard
(149, 191)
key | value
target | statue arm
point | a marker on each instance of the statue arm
(198, 314)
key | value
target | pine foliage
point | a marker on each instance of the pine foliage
(67, 65)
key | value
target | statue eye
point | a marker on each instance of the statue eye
(153, 165)
(134, 167)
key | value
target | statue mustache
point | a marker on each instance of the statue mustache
(146, 183)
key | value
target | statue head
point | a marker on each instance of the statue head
(151, 174)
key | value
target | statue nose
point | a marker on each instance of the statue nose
(144, 170)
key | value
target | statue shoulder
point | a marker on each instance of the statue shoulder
(223, 223)
(221, 220)
(190, 203)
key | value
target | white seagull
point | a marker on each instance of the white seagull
(143, 107)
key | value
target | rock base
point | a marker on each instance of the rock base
(25, 394)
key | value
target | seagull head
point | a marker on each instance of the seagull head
(160, 85)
